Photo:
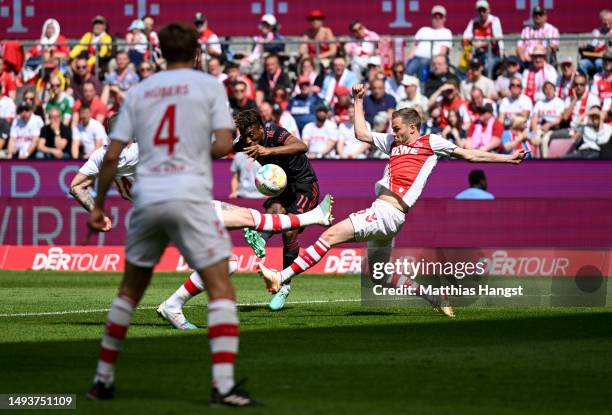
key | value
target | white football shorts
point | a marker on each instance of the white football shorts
(194, 227)
(379, 221)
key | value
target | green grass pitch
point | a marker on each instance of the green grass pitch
(323, 354)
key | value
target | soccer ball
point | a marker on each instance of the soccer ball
(271, 180)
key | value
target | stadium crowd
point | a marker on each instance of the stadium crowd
(55, 100)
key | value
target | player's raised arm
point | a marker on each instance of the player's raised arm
(479, 156)
(361, 128)
(79, 189)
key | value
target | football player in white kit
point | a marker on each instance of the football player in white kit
(412, 158)
(232, 217)
(172, 116)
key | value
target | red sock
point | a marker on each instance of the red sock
(307, 259)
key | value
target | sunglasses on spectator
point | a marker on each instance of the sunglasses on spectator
(145, 69)
(516, 84)
(579, 83)
(56, 85)
(239, 90)
(438, 16)
(81, 67)
(28, 98)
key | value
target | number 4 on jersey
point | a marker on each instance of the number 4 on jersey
(170, 139)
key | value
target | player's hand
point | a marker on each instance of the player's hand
(108, 224)
(255, 151)
(97, 220)
(359, 91)
(519, 156)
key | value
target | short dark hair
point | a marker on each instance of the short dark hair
(239, 82)
(178, 42)
(353, 23)
(453, 82)
(475, 177)
(247, 119)
(122, 52)
(84, 107)
(231, 65)
(408, 116)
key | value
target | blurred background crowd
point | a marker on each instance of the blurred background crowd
(57, 94)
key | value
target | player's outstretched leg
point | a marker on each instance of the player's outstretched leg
(135, 281)
(171, 309)
(338, 234)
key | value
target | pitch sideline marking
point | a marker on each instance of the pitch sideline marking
(104, 310)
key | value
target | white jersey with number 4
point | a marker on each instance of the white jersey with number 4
(410, 165)
(172, 115)
(126, 168)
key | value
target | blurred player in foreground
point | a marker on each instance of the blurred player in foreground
(172, 116)
(232, 217)
(268, 143)
(412, 158)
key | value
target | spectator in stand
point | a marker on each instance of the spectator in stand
(267, 41)
(320, 33)
(303, 106)
(55, 138)
(383, 126)
(565, 81)
(267, 113)
(348, 146)
(592, 61)
(283, 118)
(232, 70)
(514, 104)
(518, 137)
(137, 42)
(122, 78)
(321, 135)
(60, 100)
(87, 136)
(92, 100)
(361, 47)
(378, 101)
(25, 131)
(29, 97)
(602, 82)
(145, 70)
(306, 69)
(454, 131)
(477, 189)
(215, 69)
(375, 70)
(81, 75)
(239, 101)
(5, 134)
(475, 78)
(343, 103)
(340, 76)
(422, 50)
(432, 123)
(576, 108)
(393, 84)
(7, 107)
(279, 97)
(412, 94)
(485, 134)
(273, 76)
(153, 53)
(243, 170)
(482, 32)
(478, 100)
(211, 45)
(512, 66)
(97, 42)
(8, 81)
(447, 96)
(51, 43)
(595, 133)
(538, 72)
(538, 34)
(548, 113)
(440, 73)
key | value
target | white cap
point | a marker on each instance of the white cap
(268, 19)
(566, 59)
(484, 4)
(438, 9)
(408, 80)
(375, 60)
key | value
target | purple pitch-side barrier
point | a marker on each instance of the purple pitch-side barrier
(540, 204)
